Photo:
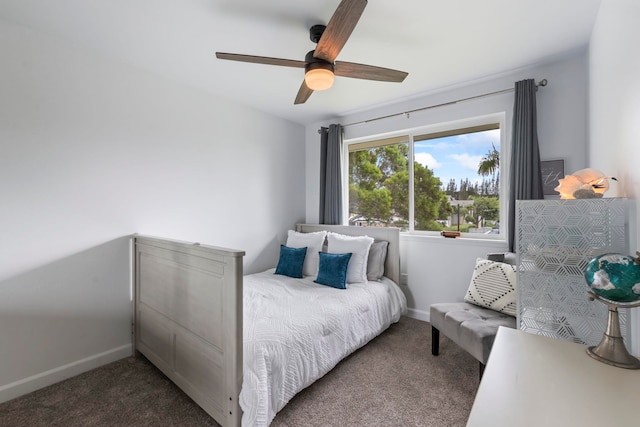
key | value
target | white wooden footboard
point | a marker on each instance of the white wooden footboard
(188, 319)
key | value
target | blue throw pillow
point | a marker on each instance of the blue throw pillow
(291, 261)
(333, 270)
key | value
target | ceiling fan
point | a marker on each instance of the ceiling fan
(319, 64)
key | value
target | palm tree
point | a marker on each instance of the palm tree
(490, 162)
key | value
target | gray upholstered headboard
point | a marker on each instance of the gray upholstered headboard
(390, 234)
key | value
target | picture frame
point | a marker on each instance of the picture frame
(552, 171)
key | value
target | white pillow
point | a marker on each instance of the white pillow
(313, 242)
(358, 247)
(493, 286)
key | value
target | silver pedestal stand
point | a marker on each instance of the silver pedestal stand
(611, 349)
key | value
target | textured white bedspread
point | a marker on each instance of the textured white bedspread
(295, 331)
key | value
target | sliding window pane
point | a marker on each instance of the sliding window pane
(379, 183)
(457, 180)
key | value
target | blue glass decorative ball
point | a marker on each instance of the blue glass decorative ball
(615, 277)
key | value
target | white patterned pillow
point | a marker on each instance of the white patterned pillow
(493, 286)
(358, 247)
(313, 242)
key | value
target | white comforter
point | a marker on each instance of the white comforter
(295, 331)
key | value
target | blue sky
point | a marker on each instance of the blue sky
(458, 156)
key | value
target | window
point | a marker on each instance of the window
(379, 183)
(451, 183)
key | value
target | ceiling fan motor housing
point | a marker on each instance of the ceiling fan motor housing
(313, 63)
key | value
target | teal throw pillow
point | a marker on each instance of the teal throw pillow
(291, 261)
(333, 270)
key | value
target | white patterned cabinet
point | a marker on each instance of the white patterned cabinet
(555, 240)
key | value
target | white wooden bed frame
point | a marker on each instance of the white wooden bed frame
(188, 319)
(188, 313)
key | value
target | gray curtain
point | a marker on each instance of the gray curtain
(330, 175)
(525, 178)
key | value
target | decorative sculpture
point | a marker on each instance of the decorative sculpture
(583, 184)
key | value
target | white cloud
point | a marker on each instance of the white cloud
(467, 161)
(484, 137)
(426, 159)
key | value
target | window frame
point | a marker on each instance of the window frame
(435, 131)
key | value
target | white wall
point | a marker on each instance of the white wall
(614, 100)
(438, 269)
(93, 151)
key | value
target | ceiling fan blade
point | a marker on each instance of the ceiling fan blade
(303, 94)
(368, 72)
(339, 29)
(260, 60)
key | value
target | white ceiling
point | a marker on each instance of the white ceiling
(439, 43)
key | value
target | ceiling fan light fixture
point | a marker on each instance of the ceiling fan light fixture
(319, 76)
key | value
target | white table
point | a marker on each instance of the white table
(532, 380)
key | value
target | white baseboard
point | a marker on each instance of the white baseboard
(52, 376)
(414, 313)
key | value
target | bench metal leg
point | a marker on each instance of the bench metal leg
(435, 341)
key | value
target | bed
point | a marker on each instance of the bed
(242, 346)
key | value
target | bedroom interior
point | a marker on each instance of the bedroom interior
(104, 136)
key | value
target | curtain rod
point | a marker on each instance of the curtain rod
(542, 83)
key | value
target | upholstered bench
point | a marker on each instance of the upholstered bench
(470, 326)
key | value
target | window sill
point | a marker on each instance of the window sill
(465, 240)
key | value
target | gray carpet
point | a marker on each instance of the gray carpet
(392, 381)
